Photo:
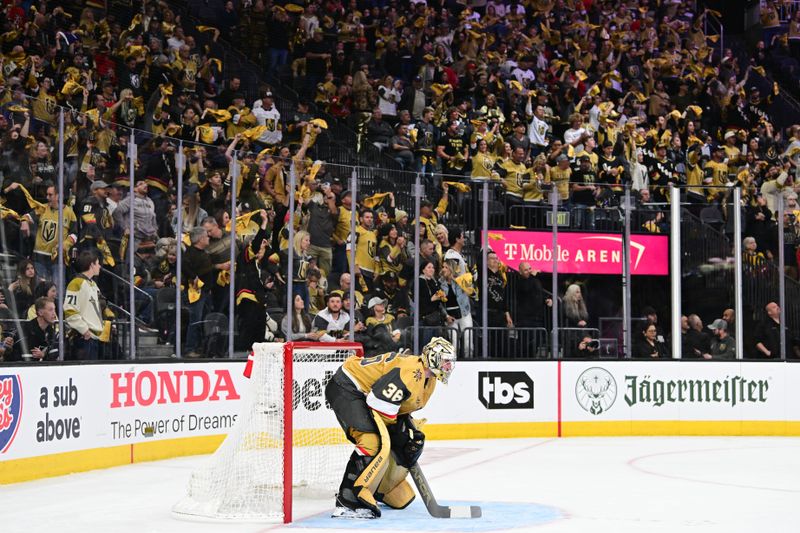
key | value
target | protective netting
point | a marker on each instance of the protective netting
(243, 480)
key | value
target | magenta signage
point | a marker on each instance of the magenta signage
(581, 253)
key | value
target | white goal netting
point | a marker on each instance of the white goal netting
(244, 479)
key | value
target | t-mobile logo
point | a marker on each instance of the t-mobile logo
(505, 390)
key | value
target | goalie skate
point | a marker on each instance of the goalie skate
(353, 514)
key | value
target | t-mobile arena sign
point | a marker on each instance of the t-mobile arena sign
(581, 253)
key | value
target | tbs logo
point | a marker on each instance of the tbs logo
(10, 409)
(505, 390)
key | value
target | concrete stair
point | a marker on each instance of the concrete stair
(149, 348)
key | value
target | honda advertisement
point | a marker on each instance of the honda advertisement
(45, 410)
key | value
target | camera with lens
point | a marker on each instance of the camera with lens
(588, 344)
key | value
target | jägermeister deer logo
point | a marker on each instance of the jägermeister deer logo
(596, 390)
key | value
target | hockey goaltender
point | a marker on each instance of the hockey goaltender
(373, 398)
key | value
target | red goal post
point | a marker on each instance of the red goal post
(289, 350)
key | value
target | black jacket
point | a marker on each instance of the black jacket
(250, 276)
(197, 264)
(35, 337)
(530, 302)
(643, 350)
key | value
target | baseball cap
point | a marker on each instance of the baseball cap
(99, 184)
(376, 301)
(562, 157)
(718, 324)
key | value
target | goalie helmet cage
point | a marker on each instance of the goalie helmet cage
(284, 439)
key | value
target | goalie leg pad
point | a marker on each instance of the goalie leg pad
(394, 491)
(371, 477)
(366, 469)
(400, 496)
(356, 497)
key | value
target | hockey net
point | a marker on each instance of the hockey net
(275, 453)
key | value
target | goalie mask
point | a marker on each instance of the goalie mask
(440, 357)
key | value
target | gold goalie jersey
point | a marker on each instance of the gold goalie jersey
(393, 384)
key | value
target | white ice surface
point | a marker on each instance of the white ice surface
(641, 485)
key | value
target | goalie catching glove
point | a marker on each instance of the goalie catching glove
(407, 442)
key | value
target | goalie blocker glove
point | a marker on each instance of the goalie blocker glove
(407, 441)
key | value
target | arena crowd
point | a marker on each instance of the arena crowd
(585, 98)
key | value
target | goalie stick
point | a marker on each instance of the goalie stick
(436, 510)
